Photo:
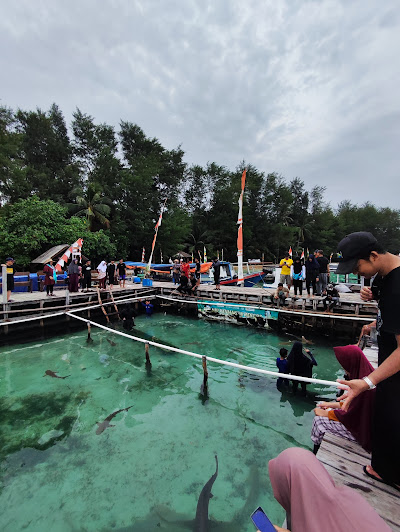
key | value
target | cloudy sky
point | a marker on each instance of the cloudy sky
(303, 88)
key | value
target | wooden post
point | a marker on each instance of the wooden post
(205, 371)
(115, 306)
(146, 349)
(4, 288)
(89, 328)
(101, 305)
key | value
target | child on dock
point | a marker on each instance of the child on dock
(283, 366)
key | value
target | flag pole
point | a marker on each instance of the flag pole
(240, 279)
(155, 238)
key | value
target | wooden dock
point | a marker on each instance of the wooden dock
(301, 315)
(344, 460)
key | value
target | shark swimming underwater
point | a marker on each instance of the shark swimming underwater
(101, 427)
(201, 521)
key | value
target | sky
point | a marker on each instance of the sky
(304, 88)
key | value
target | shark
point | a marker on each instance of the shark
(202, 522)
(49, 373)
(101, 427)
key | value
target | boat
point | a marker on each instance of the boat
(228, 275)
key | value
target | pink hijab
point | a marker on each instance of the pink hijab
(304, 488)
(358, 418)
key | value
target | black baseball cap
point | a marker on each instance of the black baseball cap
(352, 248)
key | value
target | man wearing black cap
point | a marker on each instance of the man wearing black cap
(361, 254)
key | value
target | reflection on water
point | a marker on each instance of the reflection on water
(148, 469)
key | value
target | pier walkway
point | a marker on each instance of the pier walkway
(344, 460)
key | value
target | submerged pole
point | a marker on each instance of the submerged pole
(146, 349)
(205, 371)
(89, 328)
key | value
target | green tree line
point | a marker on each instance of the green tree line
(107, 186)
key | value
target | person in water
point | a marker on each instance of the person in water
(301, 362)
(148, 307)
(362, 254)
(283, 366)
(128, 316)
(355, 424)
(312, 501)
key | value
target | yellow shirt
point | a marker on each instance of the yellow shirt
(286, 263)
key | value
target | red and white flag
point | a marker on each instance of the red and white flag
(240, 278)
(143, 255)
(290, 251)
(302, 255)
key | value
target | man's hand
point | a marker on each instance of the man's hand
(366, 294)
(356, 387)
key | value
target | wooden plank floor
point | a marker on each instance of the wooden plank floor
(344, 461)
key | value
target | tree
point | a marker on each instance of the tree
(92, 205)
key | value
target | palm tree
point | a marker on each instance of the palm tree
(93, 205)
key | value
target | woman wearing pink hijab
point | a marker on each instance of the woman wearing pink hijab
(355, 423)
(313, 502)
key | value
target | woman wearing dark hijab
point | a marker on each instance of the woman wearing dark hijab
(300, 364)
(355, 423)
(312, 270)
(73, 276)
(298, 276)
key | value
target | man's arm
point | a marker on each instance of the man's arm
(388, 368)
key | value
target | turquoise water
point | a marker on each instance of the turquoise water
(146, 472)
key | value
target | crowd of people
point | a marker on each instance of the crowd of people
(186, 279)
(313, 272)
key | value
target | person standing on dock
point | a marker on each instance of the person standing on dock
(285, 264)
(50, 278)
(312, 269)
(73, 276)
(111, 274)
(102, 272)
(298, 276)
(216, 265)
(87, 276)
(176, 271)
(121, 267)
(362, 254)
(323, 274)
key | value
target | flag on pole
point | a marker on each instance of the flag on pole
(290, 251)
(240, 278)
(218, 254)
(158, 224)
(330, 258)
(308, 253)
(192, 257)
(205, 254)
(76, 247)
(143, 255)
(302, 255)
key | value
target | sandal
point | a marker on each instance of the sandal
(388, 483)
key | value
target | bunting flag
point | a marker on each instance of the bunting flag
(143, 255)
(302, 254)
(290, 251)
(205, 254)
(158, 224)
(76, 246)
(240, 233)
